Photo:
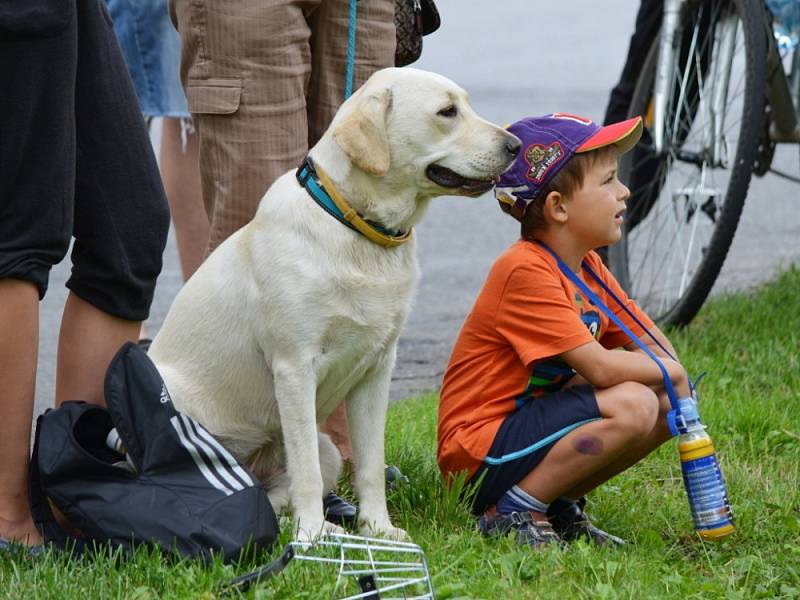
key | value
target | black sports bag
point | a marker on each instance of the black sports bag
(178, 489)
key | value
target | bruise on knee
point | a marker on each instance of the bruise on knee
(588, 444)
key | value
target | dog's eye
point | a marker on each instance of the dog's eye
(450, 111)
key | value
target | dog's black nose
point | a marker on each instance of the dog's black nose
(512, 147)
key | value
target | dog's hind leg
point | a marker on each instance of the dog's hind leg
(278, 492)
(268, 464)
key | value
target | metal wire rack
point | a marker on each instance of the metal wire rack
(382, 568)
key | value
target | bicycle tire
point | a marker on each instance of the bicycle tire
(648, 199)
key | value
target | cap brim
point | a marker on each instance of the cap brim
(624, 135)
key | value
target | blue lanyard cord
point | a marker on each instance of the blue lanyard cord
(630, 313)
(351, 51)
(673, 397)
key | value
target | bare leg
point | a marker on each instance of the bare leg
(336, 427)
(88, 341)
(659, 434)
(652, 440)
(19, 345)
(629, 410)
(180, 172)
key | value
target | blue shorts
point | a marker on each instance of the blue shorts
(152, 50)
(525, 438)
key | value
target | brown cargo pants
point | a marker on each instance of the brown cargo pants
(263, 79)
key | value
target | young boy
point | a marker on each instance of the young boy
(536, 406)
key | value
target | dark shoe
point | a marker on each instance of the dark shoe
(570, 523)
(530, 532)
(338, 511)
(394, 478)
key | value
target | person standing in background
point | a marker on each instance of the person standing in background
(152, 50)
(263, 81)
(75, 162)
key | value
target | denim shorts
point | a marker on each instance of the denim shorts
(152, 49)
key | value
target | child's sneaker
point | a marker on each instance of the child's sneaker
(570, 522)
(530, 532)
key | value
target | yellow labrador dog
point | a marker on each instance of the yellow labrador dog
(299, 309)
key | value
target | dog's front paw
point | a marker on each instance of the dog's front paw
(310, 531)
(386, 530)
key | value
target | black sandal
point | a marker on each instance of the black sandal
(571, 523)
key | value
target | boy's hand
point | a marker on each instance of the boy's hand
(677, 375)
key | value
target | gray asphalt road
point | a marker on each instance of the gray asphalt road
(515, 58)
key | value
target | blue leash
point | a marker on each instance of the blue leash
(596, 301)
(351, 51)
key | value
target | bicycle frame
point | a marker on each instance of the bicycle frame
(725, 36)
(665, 70)
(783, 94)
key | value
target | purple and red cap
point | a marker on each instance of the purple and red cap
(548, 144)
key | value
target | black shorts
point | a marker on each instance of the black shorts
(525, 438)
(75, 158)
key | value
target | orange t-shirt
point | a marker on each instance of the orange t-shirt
(526, 315)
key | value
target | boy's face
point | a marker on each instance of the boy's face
(596, 208)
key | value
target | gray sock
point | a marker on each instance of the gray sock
(518, 500)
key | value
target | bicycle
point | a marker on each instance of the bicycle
(708, 127)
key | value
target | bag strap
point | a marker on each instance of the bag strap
(595, 300)
(242, 583)
(43, 517)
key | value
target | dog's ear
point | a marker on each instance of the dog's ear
(362, 133)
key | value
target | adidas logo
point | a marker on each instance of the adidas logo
(164, 395)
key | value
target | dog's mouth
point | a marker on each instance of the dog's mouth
(444, 177)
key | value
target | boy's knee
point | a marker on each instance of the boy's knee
(636, 407)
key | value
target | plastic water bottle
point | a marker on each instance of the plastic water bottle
(786, 26)
(705, 488)
(114, 442)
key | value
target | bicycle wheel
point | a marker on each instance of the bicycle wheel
(686, 202)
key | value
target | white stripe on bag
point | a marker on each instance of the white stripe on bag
(201, 431)
(198, 460)
(209, 454)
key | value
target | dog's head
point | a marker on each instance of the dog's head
(417, 129)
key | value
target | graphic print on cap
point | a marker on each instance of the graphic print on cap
(541, 159)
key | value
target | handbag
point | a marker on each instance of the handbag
(412, 20)
(168, 484)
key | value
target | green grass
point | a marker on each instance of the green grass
(750, 347)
